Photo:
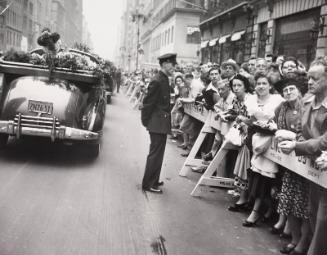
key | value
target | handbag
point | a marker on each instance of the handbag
(261, 143)
(234, 136)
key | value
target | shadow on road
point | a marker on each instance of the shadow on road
(42, 151)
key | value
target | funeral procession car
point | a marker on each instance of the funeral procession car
(62, 104)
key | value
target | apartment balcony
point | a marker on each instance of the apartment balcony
(214, 9)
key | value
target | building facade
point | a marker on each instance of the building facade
(256, 28)
(67, 20)
(171, 26)
(128, 36)
(86, 35)
(153, 27)
(23, 20)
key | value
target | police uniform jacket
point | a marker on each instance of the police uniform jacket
(155, 114)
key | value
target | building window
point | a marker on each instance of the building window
(172, 34)
(168, 33)
(262, 39)
(193, 35)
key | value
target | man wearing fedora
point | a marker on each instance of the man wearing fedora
(229, 69)
(155, 116)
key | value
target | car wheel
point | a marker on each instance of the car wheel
(3, 140)
(93, 150)
(108, 99)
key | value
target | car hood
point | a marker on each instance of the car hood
(60, 95)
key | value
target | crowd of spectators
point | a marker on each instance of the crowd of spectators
(261, 98)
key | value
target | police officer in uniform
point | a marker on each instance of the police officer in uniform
(155, 116)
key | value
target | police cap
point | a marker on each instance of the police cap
(168, 57)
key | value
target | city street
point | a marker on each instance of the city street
(55, 201)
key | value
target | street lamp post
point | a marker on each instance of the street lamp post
(138, 42)
(137, 16)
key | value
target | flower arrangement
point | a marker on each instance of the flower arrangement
(62, 59)
(53, 57)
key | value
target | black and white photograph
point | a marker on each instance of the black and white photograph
(163, 127)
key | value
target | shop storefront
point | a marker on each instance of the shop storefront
(238, 46)
(214, 50)
(296, 35)
(225, 48)
(227, 33)
(205, 53)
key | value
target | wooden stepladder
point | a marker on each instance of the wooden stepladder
(191, 161)
(217, 165)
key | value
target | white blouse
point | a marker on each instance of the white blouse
(263, 112)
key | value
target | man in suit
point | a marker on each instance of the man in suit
(156, 118)
(314, 130)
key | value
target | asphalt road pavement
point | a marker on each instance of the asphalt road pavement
(55, 201)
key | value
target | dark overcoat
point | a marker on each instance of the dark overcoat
(155, 113)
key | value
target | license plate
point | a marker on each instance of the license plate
(40, 107)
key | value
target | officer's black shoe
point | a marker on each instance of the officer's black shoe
(153, 190)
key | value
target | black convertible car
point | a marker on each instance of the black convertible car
(58, 104)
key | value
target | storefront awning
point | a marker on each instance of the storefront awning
(204, 44)
(213, 42)
(237, 35)
(223, 39)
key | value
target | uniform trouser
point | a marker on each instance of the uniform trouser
(118, 87)
(318, 209)
(154, 160)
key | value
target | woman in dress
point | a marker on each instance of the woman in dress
(261, 108)
(241, 88)
(293, 198)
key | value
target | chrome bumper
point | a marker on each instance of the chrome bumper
(45, 127)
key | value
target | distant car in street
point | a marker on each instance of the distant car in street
(58, 104)
(110, 85)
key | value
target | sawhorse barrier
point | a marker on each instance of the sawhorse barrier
(207, 179)
(130, 88)
(303, 166)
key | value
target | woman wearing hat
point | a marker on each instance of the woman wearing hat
(293, 198)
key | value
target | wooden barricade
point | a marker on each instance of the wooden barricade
(303, 166)
(207, 179)
(138, 100)
(191, 160)
(134, 92)
(130, 88)
(200, 113)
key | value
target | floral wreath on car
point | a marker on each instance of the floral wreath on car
(55, 56)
